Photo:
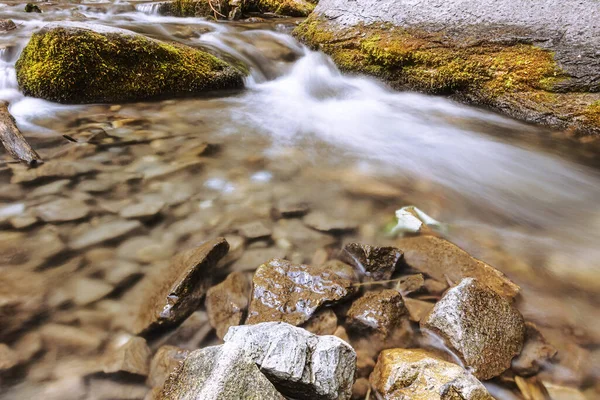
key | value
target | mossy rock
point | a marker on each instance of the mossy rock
(519, 79)
(291, 8)
(217, 9)
(75, 64)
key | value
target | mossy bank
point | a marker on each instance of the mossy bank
(74, 64)
(235, 9)
(519, 79)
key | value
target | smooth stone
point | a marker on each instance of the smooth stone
(142, 210)
(63, 210)
(57, 169)
(255, 230)
(227, 302)
(300, 237)
(251, 259)
(68, 339)
(376, 263)
(104, 232)
(167, 296)
(444, 261)
(536, 352)
(191, 333)
(480, 326)
(417, 309)
(84, 291)
(324, 222)
(301, 365)
(8, 358)
(289, 208)
(419, 375)
(132, 357)
(218, 373)
(292, 293)
(49, 189)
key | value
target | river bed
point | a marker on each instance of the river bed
(521, 198)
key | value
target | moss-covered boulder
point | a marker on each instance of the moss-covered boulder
(75, 64)
(291, 8)
(234, 9)
(527, 66)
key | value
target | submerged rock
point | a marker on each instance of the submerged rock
(301, 365)
(444, 261)
(382, 312)
(494, 53)
(74, 63)
(377, 263)
(171, 294)
(132, 357)
(293, 293)
(536, 351)
(107, 231)
(7, 25)
(480, 326)
(420, 375)
(219, 373)
(227, 302)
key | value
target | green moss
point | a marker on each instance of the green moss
(30, 7)
(76, 65)
(592, 113)
(292, 8)
(196, 8)
(431, 62)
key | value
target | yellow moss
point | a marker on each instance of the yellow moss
(196, 8)
(77, 65)
(592, 113)
(292, 8)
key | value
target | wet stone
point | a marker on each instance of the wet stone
(255, 230)
(22, 297)
(322, 323)
(289, 209)
(410, 284)
(218, 373)
(57, 169)
(68, 339)
(536, 352)
(132, 357)
(292, 293)
(84, 291)
(227, 302)
(376, 263)
(251, 259)
(480, 326)
(191, 333)
(143, 210)
(324, 222)
(444, 261)
(7, 25)
(63, 210)
(165, 361)
(300, 237)
(28, 346)
(381, 311)
(169, 295)
(301, 365)
(417, 309)
(106, 389)
(102, 233)
(420, 375)
(8, 358)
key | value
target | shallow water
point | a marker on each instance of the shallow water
(522, 198)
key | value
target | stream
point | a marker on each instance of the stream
(522, 198)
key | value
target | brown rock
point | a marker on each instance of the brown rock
(417, 309)
(289, 208)
(419, 375)
(191, 333)
(255, 230)
(171, 294)
(410, 284)
(51, 169)
(84, 291)
(68, 339)
(381, 312)
(63, 210)
(536, 351)
(132, 357)
(8, 358)
(360, 389)
(376, 263)
(166, 359)
(340, 332)
(145, 209)
(434, 287)
(102, 233)
(28, 346)
(324, 222)
(482, 327)
(227, 302)
(7, 25)
(293, 293)
(22, 296)
(444, 261)
(251, 259)
(323, 322)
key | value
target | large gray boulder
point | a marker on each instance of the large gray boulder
(300, 364)
(536, 60)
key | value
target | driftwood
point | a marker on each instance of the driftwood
(13, 139)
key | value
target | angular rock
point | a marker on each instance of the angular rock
(22, 297)
(381, 311)
(301, 365)
(171, 294)
(410, 284)
(536, 351)
(227, 302)
(132, 357)
(377, 263)
(417, 309)
(322, 323)
(443, 261)
(419, 375)
(103, 233)
(289, 209)
(480, 326)
(63, 210)
(218, 373)
(165, 361)
(291, 293)
(115, 65)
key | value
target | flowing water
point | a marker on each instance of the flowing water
(520, 197)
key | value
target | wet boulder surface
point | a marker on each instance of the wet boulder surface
(78, 63)
(496, 54)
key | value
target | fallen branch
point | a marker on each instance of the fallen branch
(13, 139)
